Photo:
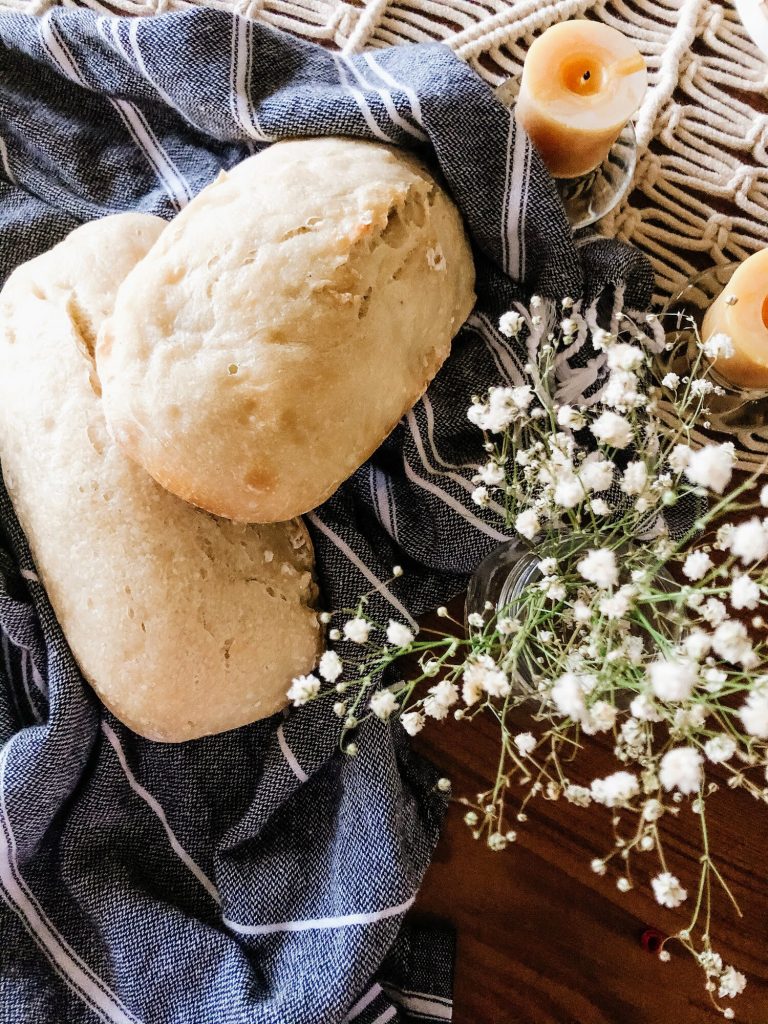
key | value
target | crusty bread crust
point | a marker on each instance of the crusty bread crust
(183, 623)
(283, 324)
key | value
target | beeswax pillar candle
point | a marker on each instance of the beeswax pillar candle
(741, 312)
(582, 81)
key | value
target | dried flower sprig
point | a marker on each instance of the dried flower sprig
(625, 624)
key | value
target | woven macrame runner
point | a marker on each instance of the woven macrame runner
(700, 193)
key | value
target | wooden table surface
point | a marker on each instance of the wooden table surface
(541, 939)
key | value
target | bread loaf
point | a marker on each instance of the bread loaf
(283, 324)
(183, 623)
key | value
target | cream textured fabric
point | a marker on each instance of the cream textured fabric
(701, 188)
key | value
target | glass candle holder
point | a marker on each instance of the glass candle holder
(739, 414)
(592, 196)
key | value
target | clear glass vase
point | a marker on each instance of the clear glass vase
(503, 576)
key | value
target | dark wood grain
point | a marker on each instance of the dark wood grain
(543, 940)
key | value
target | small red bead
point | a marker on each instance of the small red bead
(652, 939)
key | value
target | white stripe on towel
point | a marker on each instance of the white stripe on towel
(361, 566)
(344, 921)
(152, 803)
(71, 968)
(289, 756)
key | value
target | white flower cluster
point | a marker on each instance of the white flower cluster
(503, 407)
(654, 641)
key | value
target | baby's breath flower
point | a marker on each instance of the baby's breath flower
(497, 841)
(383, 703)
(624, 357)
(697, 565)
(732, 983)
(527, 524)
(714, 679)
(713, 611)
(578, 795)
(749, 541)
(602, 339)
(718, 346)
(679, 457)
(680, 769)
(600, 717)
(672, 680)
(567, 695)
(440, 699)
(507, 626)
(617, 605)
(668, 891)
(690, 719)
(303, 689)
(569, 417)
(596, 473)
(595, 633)
(711, 962)
(412, 722)
(745, 593)
(702, 387)
(581, 611)
(697, 644)
(481, 497)
(357, 630)
(615, 790)
(600, 507)
(525, 743)
(330, 666)
(510, 324)
(720, 748)
(634, 480)
(711, 466)
(731, 641)
(599, 567)
(398, 634)
(611, 429)
(491, 474)
(652, 810)
(754, 714)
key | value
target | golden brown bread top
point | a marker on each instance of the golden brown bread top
(283, 324)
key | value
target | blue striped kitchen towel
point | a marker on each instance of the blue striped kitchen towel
(257, 876)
